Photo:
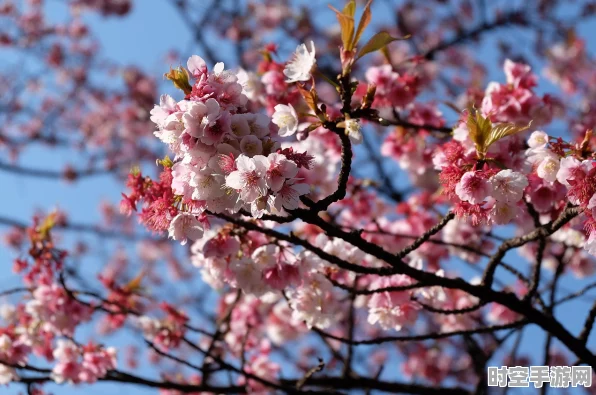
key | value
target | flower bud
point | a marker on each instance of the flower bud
(369, 97)
(165, 162)
(179, 77)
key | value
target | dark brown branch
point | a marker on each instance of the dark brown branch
(387, 184)
(443, 131)
(344, 173)
(127, 378)
(544, 231)
(575, 295)
(54, 174)
(483, 292)
(585, 333)
(310, 373)
(291, 238)
(463, 310)
(429, 336)
(84, 228)
(426, 236)
(513, 17)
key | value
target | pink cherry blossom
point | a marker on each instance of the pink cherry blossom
(289, 195)
(391, 310)
(548, 168)
(56, 310)
(249, 179)
(81, 364)
(508, 186)
(473, 187)
(566, 170)
(538, 139)
(280, 169)
(184, 227)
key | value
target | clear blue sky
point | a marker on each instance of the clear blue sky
(143, 38)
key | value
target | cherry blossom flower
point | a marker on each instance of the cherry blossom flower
(161, 112)
(538, 139)
(251, 84)
(548, 168)
(197, 66)
(281, 326)
(392, 89)
(314, 303)
(56, 310)
(353, 130)
(248, 276)
(250, 178)
(289, 195)
(200, 115)
(184, 227)
(286, 119)
(207, 185)
(251, 145)
(567, 168)
(261, 366)
(519, 74)
(280, 168)
(7, 374)
(472, 187)
(590, 244)
(215, 131)
(503, 212)
(508, 186)
(239, 125)
(300, 67)
(13, 351)
(85, 364)
(391, 310)
(516, 101)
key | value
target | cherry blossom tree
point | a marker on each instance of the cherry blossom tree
(367, 197)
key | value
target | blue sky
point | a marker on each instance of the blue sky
(143, 38)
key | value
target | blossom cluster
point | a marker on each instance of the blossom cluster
(82, 364)
(493, 191)
(561, 165)
(14, 350)
(265, 270)
(515, 101)
(39, 326)
(226, 157)
(167, 332)
(56, 311)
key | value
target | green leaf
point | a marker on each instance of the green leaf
(346, 24)
(377, 42)
(483, 133)
(312, 127)
(350, 8)
(479, 128)
(503, 130)
(311, 98)
(48, 223)
(364, 21)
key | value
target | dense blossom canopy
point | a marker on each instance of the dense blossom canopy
(356, 207)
